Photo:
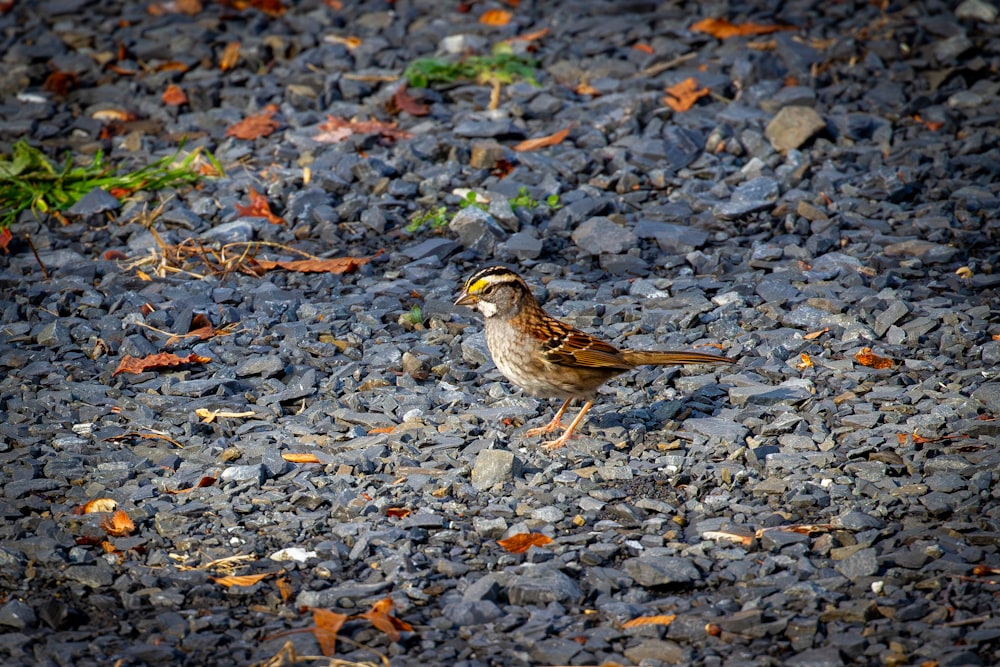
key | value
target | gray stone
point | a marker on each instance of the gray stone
(601, 235)
(471, 612)
(267, 366)
(244, 473)
(977, 10)
(494, 466)
(96, 201)
(862, 563)
(541, 585)
(675, 239)
(927, 251)
(439, 247)
(237, 231)
(792, 127)
(523, 245)
(18, 615)
(477, 230)
(650, 570)
(892, 314)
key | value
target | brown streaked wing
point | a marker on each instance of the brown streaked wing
(576, 348)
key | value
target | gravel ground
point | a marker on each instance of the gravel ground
(837, 190)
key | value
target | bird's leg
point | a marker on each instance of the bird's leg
(564, 438)
(552, 425)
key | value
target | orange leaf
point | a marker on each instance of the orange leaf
(295, 457)
(932, 125)
(644, 48)
(806, 362)
(230, 56)
(397, 512)
(135, 365)
(60, 83)
(381, 429)
(496, 17)
(865, 357)
(284, 588)
(532, 36)
(335, 130)
(813, 335)
(334, 265)
(518, 544)
(405, 102)
(172, 66)
(723, 29)
(328, 624)
(259, 208)
(173, 96)
(203, 482)
(665, 619)
(97, 505)
(682, 96)
(201, 328)
(542, 142)
(241, 579)
(380, 617)
(5, 239)
(252, 127)
(118, 524)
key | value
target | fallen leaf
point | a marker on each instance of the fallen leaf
(664, 619)
(736, 538)
(723, 29)
(932, 125)
(405, 102)
(209, 416)
(801, 528)
(161, 360)
(964, 272)
(5, 239)
(109, 115)
(294, 457)
(584, 88)
(97, 505)
(118, 524)
(806, 362)
(284, 589)
(201, 328)
(517, 544)
(350, 43)
(202, 483)
(531, 36)
(259, 208)
(328, 624)
(335, 130)
(230, 56)
(381, 429)
(397, 512)
(173, 96)
(497, 17)
(542, 142)
(813, 335)
(241, 579)
(60, 82)
(252, 127)
(682, 96)
(380, 617)
(334, 265)
(865, 357)
(643, 48)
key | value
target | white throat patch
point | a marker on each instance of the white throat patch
(486, 308)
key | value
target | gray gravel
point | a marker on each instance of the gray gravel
(838, 190)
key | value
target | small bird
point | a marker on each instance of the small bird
(548, 358)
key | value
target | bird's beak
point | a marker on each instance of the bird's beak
(466, 300)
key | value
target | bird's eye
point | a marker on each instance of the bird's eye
(487, 288)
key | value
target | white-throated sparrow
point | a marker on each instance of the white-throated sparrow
(549, 358)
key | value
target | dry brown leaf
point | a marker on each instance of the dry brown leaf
(664, 619)
(736, 538)
(497, 17)
(682, 96)
(379, 616)
(328, 624)
(806, 362)
(518, 544)
(202, 483)
(241, 579)
(542, 142)
(405, 102)
(397, 512)
(334, 265)
(259, 208)
(642, 47)
(295, 457)
(584, 88)
(118, 524)
(723, 29)
(230, 56)
(813, 335)
(209, 416)
(252, 127)
(153, 362)
(109, 115)
(335, 130)
(531, 36)
(350, 43)
(865, 357)
(381, 429)
(173, 96)
(60, 83)
(932, 125)
(97, 505)
(284, 589)
(801, 528)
